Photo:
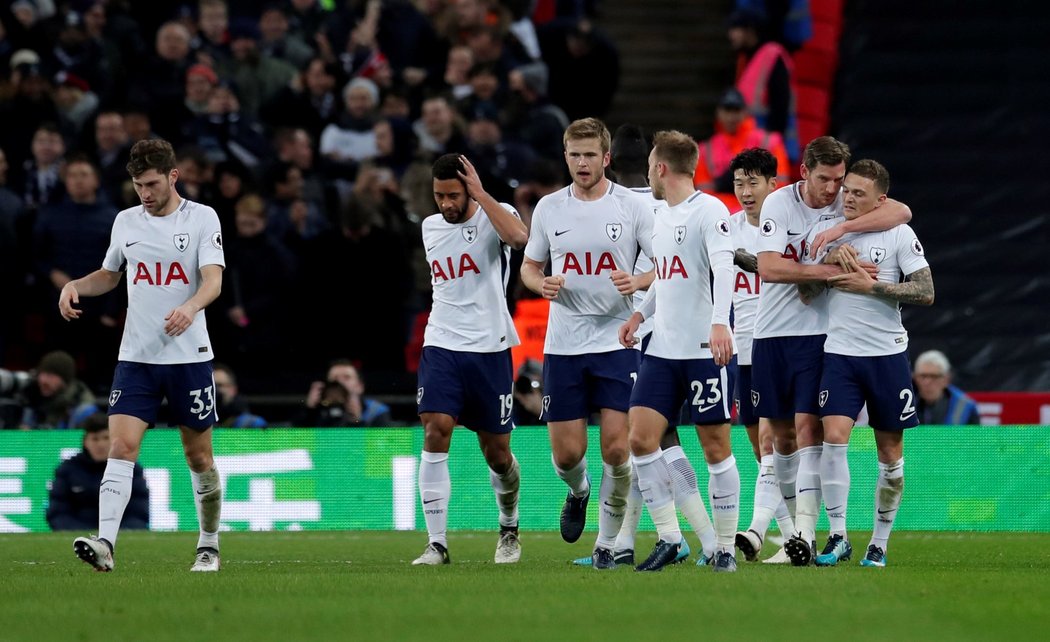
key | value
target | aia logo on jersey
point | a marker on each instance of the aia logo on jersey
(877, 254)
(614, 230)
(679, 234)
(182, 241)
(160, 276)
(470, 233)
(769, 228)
(588, 266)
(466, 264)
(667, 269)
(795, 254)
(743, 283)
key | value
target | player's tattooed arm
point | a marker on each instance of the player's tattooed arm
(745, 260)
(917, 288)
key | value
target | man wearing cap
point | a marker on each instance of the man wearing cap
(56, 398)
(735, 131)
(258, 77)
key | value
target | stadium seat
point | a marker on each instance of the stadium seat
(812, 102)
(826, 10)
(815, 67)
(810, 128)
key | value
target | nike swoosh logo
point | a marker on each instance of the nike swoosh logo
(203, 493)
(706, 408)
(561, 232)
(790, 233)
(907, 416)
(131, 243)
(503, 422)
(431, 248)
(106, 481)
(806, 490)
(883, 512)
(431, 501)
(833, 508)
(721, 496)
(769, 475)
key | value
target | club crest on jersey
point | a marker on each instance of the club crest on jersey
(614, 230)
(546, 404)
(822, 398)
(113, 396)
(917, 247)
(419, 396)
(679, 234)
(470, 233)
(754, 398)
(723, 227)
(877, 254)
(769, 227)
(182, 241)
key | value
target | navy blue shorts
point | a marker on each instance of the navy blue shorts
(664, 384)
(785, 375)
(576, 385)
(477, 388)
(884, 383)
(745, 411)
(139, 388)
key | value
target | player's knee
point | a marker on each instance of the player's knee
(642, 444)
(567, 459)
(615, 455)
(200, 461)
(123, 449)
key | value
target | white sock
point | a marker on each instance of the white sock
(632, 515)
(807, 503)
(612, 499)
(113, 495)
(207, 494)
(506, 488)
(654, 481)
(724, 486)
(834, 483)
(576, 477)
(435, 486)
(888, 490)
(785, 524)
(786, 469)
(687, 497)
(767, 497)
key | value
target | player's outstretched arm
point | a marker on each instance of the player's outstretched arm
(182, 317)
(94, 284)
(891, 214)
(510, 228)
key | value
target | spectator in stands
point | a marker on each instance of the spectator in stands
(161, 81)
(531, 117)
(351, 139)
(231, 181)
(789, 21)
(457, 72)
(735, 131)
(292, 216)
(11, 221)
(764, 71)
(56, 398)
(70, 238)
(501, 164)
(112, 151)
(584, 67)
(225, 132)
(438, 130)
(485, 87)
(258, 78)
(310, 101)
(395, 144)
(528, 394)
(938, 401)
(340, 400)
(73, 499)
(75, 101)
(200, 82)
(276, 42)
(30, 106)
(306, 18)
(232, 407)
(43, 171)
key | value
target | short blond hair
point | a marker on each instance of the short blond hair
(677, 150)
(588, 128)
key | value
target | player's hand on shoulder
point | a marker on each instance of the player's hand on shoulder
(829, 235)
(624, 282)
(551, 286)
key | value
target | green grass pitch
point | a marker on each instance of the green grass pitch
(360, 586)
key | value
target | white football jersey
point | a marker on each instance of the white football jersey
(784, 225)
(684, 238)
(586, 241)
(746, 288)
(163, 256)
(861, 325)
(644, 263)
(469, 268)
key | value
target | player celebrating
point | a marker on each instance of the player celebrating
(788, 350)
(691, 353)
(754, 178)
(866, 359)
(465, 373)
(589, 231)
(172, 248)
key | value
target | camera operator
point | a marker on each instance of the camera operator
(340, 401)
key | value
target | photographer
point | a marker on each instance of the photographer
(12, 383)
(339, 401)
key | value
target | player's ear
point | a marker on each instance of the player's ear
(173, 176)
